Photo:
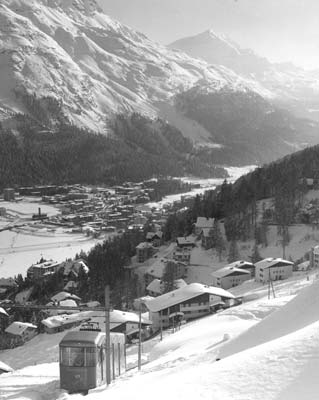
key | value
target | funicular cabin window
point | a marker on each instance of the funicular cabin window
(78, 356)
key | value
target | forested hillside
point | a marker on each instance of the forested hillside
(236, 204)
(34, 151)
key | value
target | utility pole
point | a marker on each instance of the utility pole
(140, 336)
(161, 325)
(107, 336)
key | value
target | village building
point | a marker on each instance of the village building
(230, 276)
(128, 323)
(43, 269)
(72, 268)
(3, 211)
(157, 286)
(157, 270)
(272, 269)
(303, 266)
(242, 264)
(144, 251)
(314, 257)
(63, 296)
(182, 255)
(6, 285)
(156, 238)
(189, 302)
(59, 323)
(184, 243)
(203, 223)
(21, 332)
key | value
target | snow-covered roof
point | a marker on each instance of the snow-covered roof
(4, 367)
(17, 328)
(241, 264)
(203, 222)
(272, 262)
(8, 282)
(118, 316)
(157, 268)
(183, 294)
(144, 245)
(63, 296)
(155, 286)
(151, 235)
(68, 303)
(185, 241)
(64, 319)
(3, 312)
(304, 266)
(229, 270)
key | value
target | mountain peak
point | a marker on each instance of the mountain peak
(84, 6)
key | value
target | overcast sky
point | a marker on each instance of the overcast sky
(281, 30)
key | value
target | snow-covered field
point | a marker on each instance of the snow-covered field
(25, 245)
(205, 184)
(268, 349)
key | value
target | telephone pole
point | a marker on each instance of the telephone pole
(107, 336)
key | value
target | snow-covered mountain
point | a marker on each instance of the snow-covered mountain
(66, 62)
(292, 86)
(71, 51)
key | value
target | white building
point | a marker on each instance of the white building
(191, 301)
(273, 269)
(314, 257)
(230, 276)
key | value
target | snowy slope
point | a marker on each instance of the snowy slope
(183, 365)
(293, 86)
(94, 66)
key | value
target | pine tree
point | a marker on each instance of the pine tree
(218, 240)
(233, 254)
(255, 255)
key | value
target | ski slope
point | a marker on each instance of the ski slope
(268, 349)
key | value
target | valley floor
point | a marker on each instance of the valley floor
(269, 349)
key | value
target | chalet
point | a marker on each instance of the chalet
(185, 242)
(241, 264)
(4, 368)
(182, 255)
(155, 238)
(72, 268)
(273, 269)
(62, 296)
(203, 223)
(192, 301)
(230, 276)
(128, 323)
(21, 331)
(156, 287)
(43, 269)
(6, 284)
(144, 251)
(304, 266)
(157, 270)
(59, 323)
